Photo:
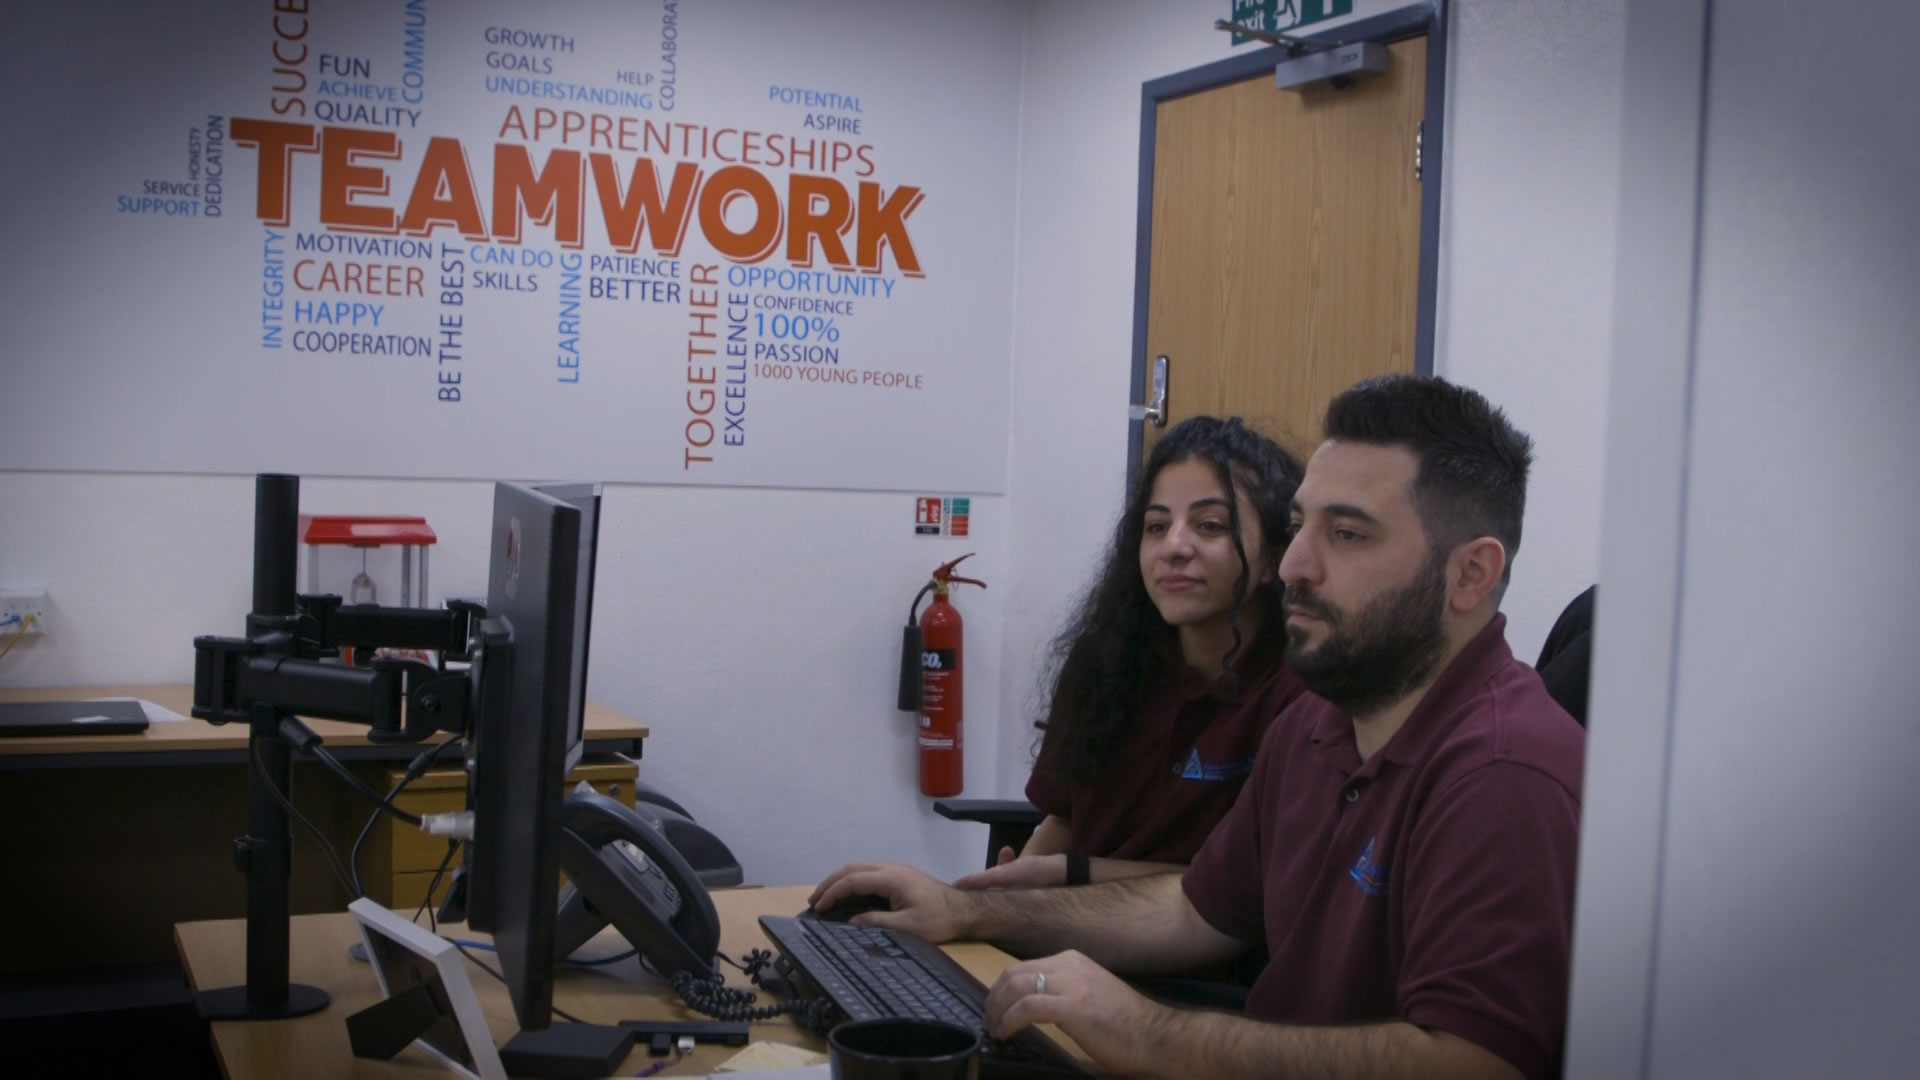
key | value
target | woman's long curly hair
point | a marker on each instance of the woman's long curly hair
(1110, 654)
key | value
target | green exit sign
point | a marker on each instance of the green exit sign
(1279, 16)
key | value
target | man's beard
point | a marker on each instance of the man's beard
(1373, 658)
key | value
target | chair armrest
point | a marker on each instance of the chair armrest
(1194, 993)
(991, 811)
(1009, 822)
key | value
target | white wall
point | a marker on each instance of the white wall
(1784, 940)
(1528, 204)
(1531, 165)
(1633, 661)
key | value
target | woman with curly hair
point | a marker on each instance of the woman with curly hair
(1170, 671)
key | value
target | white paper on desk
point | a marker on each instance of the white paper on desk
(808, 1072)
(770, 1059)
(156, 714)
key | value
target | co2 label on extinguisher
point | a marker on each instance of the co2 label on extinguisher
(939, 659)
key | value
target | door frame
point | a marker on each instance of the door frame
(1428, 18)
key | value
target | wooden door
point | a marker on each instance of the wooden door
(1285, 245)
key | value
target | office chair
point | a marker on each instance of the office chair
(1009, 822)
(1566, 659)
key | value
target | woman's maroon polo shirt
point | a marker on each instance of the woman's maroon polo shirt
(1178, 772)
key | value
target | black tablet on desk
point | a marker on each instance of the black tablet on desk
(72, 718)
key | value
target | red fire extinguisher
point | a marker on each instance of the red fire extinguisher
(931, 670)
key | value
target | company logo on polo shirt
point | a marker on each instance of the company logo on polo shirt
(1372, 877)
(1221, 770)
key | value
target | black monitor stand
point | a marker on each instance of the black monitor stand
(265, 855)
(273, 675)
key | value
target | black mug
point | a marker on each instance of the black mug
(895, 1049)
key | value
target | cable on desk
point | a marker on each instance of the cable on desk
(679, 1055)
(605, 960)
(326, 846)
(420, 764)
(463, 945)
(711, 997)
(757, 960)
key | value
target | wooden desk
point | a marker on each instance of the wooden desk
(112, 839)
(215, 955)
(197, 742)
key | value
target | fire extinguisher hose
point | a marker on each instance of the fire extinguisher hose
(910, 696)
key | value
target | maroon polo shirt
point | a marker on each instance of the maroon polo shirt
(1181, 767)
(1432, 883)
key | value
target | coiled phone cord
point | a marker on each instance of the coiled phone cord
(712, 997)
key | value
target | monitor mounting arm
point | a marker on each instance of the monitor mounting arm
(275, 673)
(399, 700)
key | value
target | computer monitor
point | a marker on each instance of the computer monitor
(586, 499)
(531, 654)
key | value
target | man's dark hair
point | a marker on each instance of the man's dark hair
(1473, 462)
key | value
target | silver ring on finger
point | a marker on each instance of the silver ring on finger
(1039, 982)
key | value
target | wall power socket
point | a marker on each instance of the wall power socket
(20, 603)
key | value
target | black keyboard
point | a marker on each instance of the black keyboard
(871, 973)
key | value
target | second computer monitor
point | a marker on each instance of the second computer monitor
(530, 660)
(586, 499)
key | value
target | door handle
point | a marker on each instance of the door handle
(1155, 410)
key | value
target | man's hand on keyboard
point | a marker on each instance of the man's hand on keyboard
(1113, 1023)
(920, 905)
